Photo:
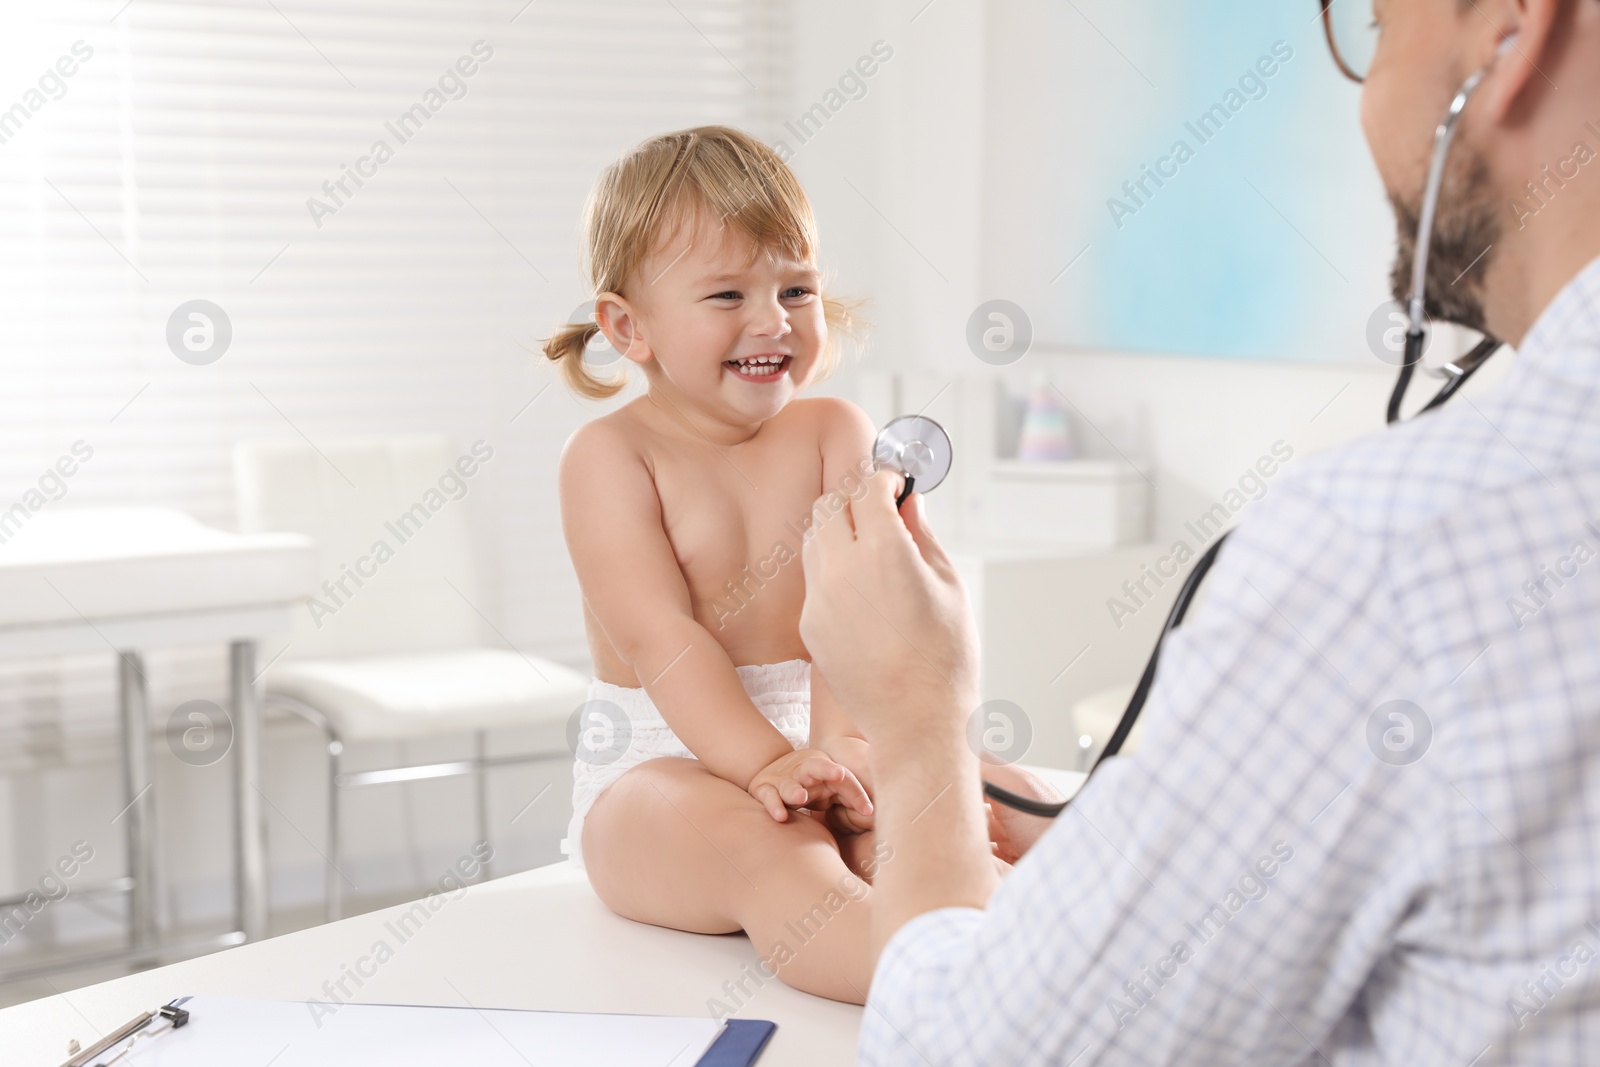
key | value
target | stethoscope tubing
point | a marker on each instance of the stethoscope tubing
(1458, 371)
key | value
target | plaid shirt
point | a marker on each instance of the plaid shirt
(1363, 825)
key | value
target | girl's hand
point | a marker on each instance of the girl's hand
(845, 823)
(851, 752)
(808, 778)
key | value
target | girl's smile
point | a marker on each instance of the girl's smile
(762, 370)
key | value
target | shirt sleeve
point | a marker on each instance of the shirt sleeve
(1224, 894)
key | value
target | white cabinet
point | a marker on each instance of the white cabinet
(1087, 502)
(1047, 636)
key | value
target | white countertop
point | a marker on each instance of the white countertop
(539, 939)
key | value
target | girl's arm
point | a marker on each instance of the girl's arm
(630, 578)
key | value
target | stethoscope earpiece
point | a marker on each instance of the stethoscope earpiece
(1416, 302)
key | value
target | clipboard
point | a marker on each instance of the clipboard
(740, 1042)
(206, 1030)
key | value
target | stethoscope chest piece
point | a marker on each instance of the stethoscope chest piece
(917, 447)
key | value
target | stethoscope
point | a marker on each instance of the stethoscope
(918, 447)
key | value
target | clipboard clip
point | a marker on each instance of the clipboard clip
(139, 1026)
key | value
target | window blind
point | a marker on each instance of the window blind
(159, 152)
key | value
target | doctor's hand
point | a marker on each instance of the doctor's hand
(886, 617)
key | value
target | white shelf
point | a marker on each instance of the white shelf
(1101, 503)
(1063, 469)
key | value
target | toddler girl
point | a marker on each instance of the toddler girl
(718, 786)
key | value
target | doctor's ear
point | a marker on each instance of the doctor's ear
(1530, 38)
(619, 321)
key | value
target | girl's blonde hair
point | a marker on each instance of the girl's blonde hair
(661, 184)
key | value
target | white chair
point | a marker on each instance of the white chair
(389, 647)
(1095, 718)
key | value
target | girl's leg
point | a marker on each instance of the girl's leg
(670, 843)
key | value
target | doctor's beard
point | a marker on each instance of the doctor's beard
(1466, 226)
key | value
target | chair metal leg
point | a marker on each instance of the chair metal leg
(478, 765)
(408, 812)
(250, 829)
(332, 895)
(332, 902)
(480, 751)
(133, 699)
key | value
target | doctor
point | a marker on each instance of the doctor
(1364, 822)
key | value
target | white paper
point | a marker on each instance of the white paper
(237, 1031)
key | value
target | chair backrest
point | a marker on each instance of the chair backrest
(389, 518)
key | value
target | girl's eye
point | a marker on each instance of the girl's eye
(794, 292)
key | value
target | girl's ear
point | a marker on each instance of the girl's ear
(619, 322)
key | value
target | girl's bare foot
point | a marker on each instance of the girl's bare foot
(1012, 830)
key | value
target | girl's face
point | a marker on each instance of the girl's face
(735, 335)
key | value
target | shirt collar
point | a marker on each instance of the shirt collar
(1565, 338)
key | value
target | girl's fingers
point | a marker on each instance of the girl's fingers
(814, 783)
(849, 792)
(768, 797)
(819, 770)
(856, 822)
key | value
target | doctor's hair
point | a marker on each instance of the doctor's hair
(667, 184)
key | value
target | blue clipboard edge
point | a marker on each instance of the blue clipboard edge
(739, 1044)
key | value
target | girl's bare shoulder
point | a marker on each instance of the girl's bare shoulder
(607, 472)
(830, 419)
(615, 439)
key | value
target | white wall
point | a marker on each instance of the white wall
(940, 148)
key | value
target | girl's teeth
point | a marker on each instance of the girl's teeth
(759, 369)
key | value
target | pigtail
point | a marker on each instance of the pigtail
(844, 323)
(567, 347)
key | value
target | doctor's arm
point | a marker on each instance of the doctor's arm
(1191, 905)
(845, 435)
(886, 619)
